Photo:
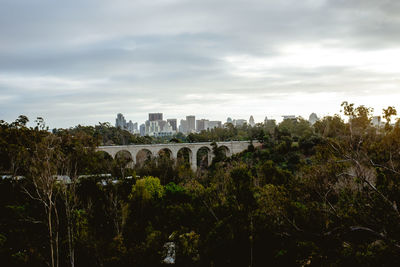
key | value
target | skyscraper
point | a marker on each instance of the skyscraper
(214, 124)
(239, 122)
(142, 129)
(132, 127)
(183, 127)
(251, 121)
(313, 118)
(191, 123)
(155, 116)
(173, 123)
(202, 125)
(120, 121)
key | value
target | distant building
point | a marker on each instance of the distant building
(156, 126)
(289, 117)
(376, 121)
(166, 127)
(151, 127)
(173, 123)
(239, 122)
(120, 121)
(132, 127)
(162, 125)
(251, 121)
(202, 125)
(162, 134)
(269, 121)
(142, 130)
(313, 118)
(191, 123)
(183, 127)
(155, 116)
(214, 124)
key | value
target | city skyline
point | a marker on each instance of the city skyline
(82, 62)
(157, 126)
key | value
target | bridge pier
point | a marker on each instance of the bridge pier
(210, 157)
(193, 161)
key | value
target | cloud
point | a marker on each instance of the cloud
(84, 61)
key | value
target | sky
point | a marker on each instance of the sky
(83, 61)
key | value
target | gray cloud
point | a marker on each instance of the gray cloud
(83, 61)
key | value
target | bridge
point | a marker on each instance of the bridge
(139, 153)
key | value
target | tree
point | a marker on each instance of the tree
(44, 163)
(387, 115)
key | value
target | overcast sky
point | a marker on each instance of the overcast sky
(80, 62)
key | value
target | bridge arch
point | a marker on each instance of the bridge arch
(124, 158)
(204, 157)
(185, 155)
(165, 152)
(105, 154)
(106, 161)
(225, 150)
(142, 156)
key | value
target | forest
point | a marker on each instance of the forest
(313, 195)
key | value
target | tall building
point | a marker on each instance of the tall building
(158, 128)
(191, 123)
(251, 121)
(183, 127)
(269, 122)
(202, 125)
(214, 124)
(120, 121)
(155, 116)
(162, 125)
(239, 122)
(376, 121)
(142, 129)
(132, 127)
(173, 123)
(313, 118)
(152, 127)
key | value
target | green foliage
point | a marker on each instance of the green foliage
(147, 188)
(321, 195)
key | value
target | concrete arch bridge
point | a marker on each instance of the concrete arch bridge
(190, 151)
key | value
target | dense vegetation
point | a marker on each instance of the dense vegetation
(321, 195)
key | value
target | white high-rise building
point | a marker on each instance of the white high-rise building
(376, 121)
(251, 121)
(239, 122)
(183, 127)
(313, 118)
(132, 127)
(142, 129)
(120, 121)
(151, 127)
